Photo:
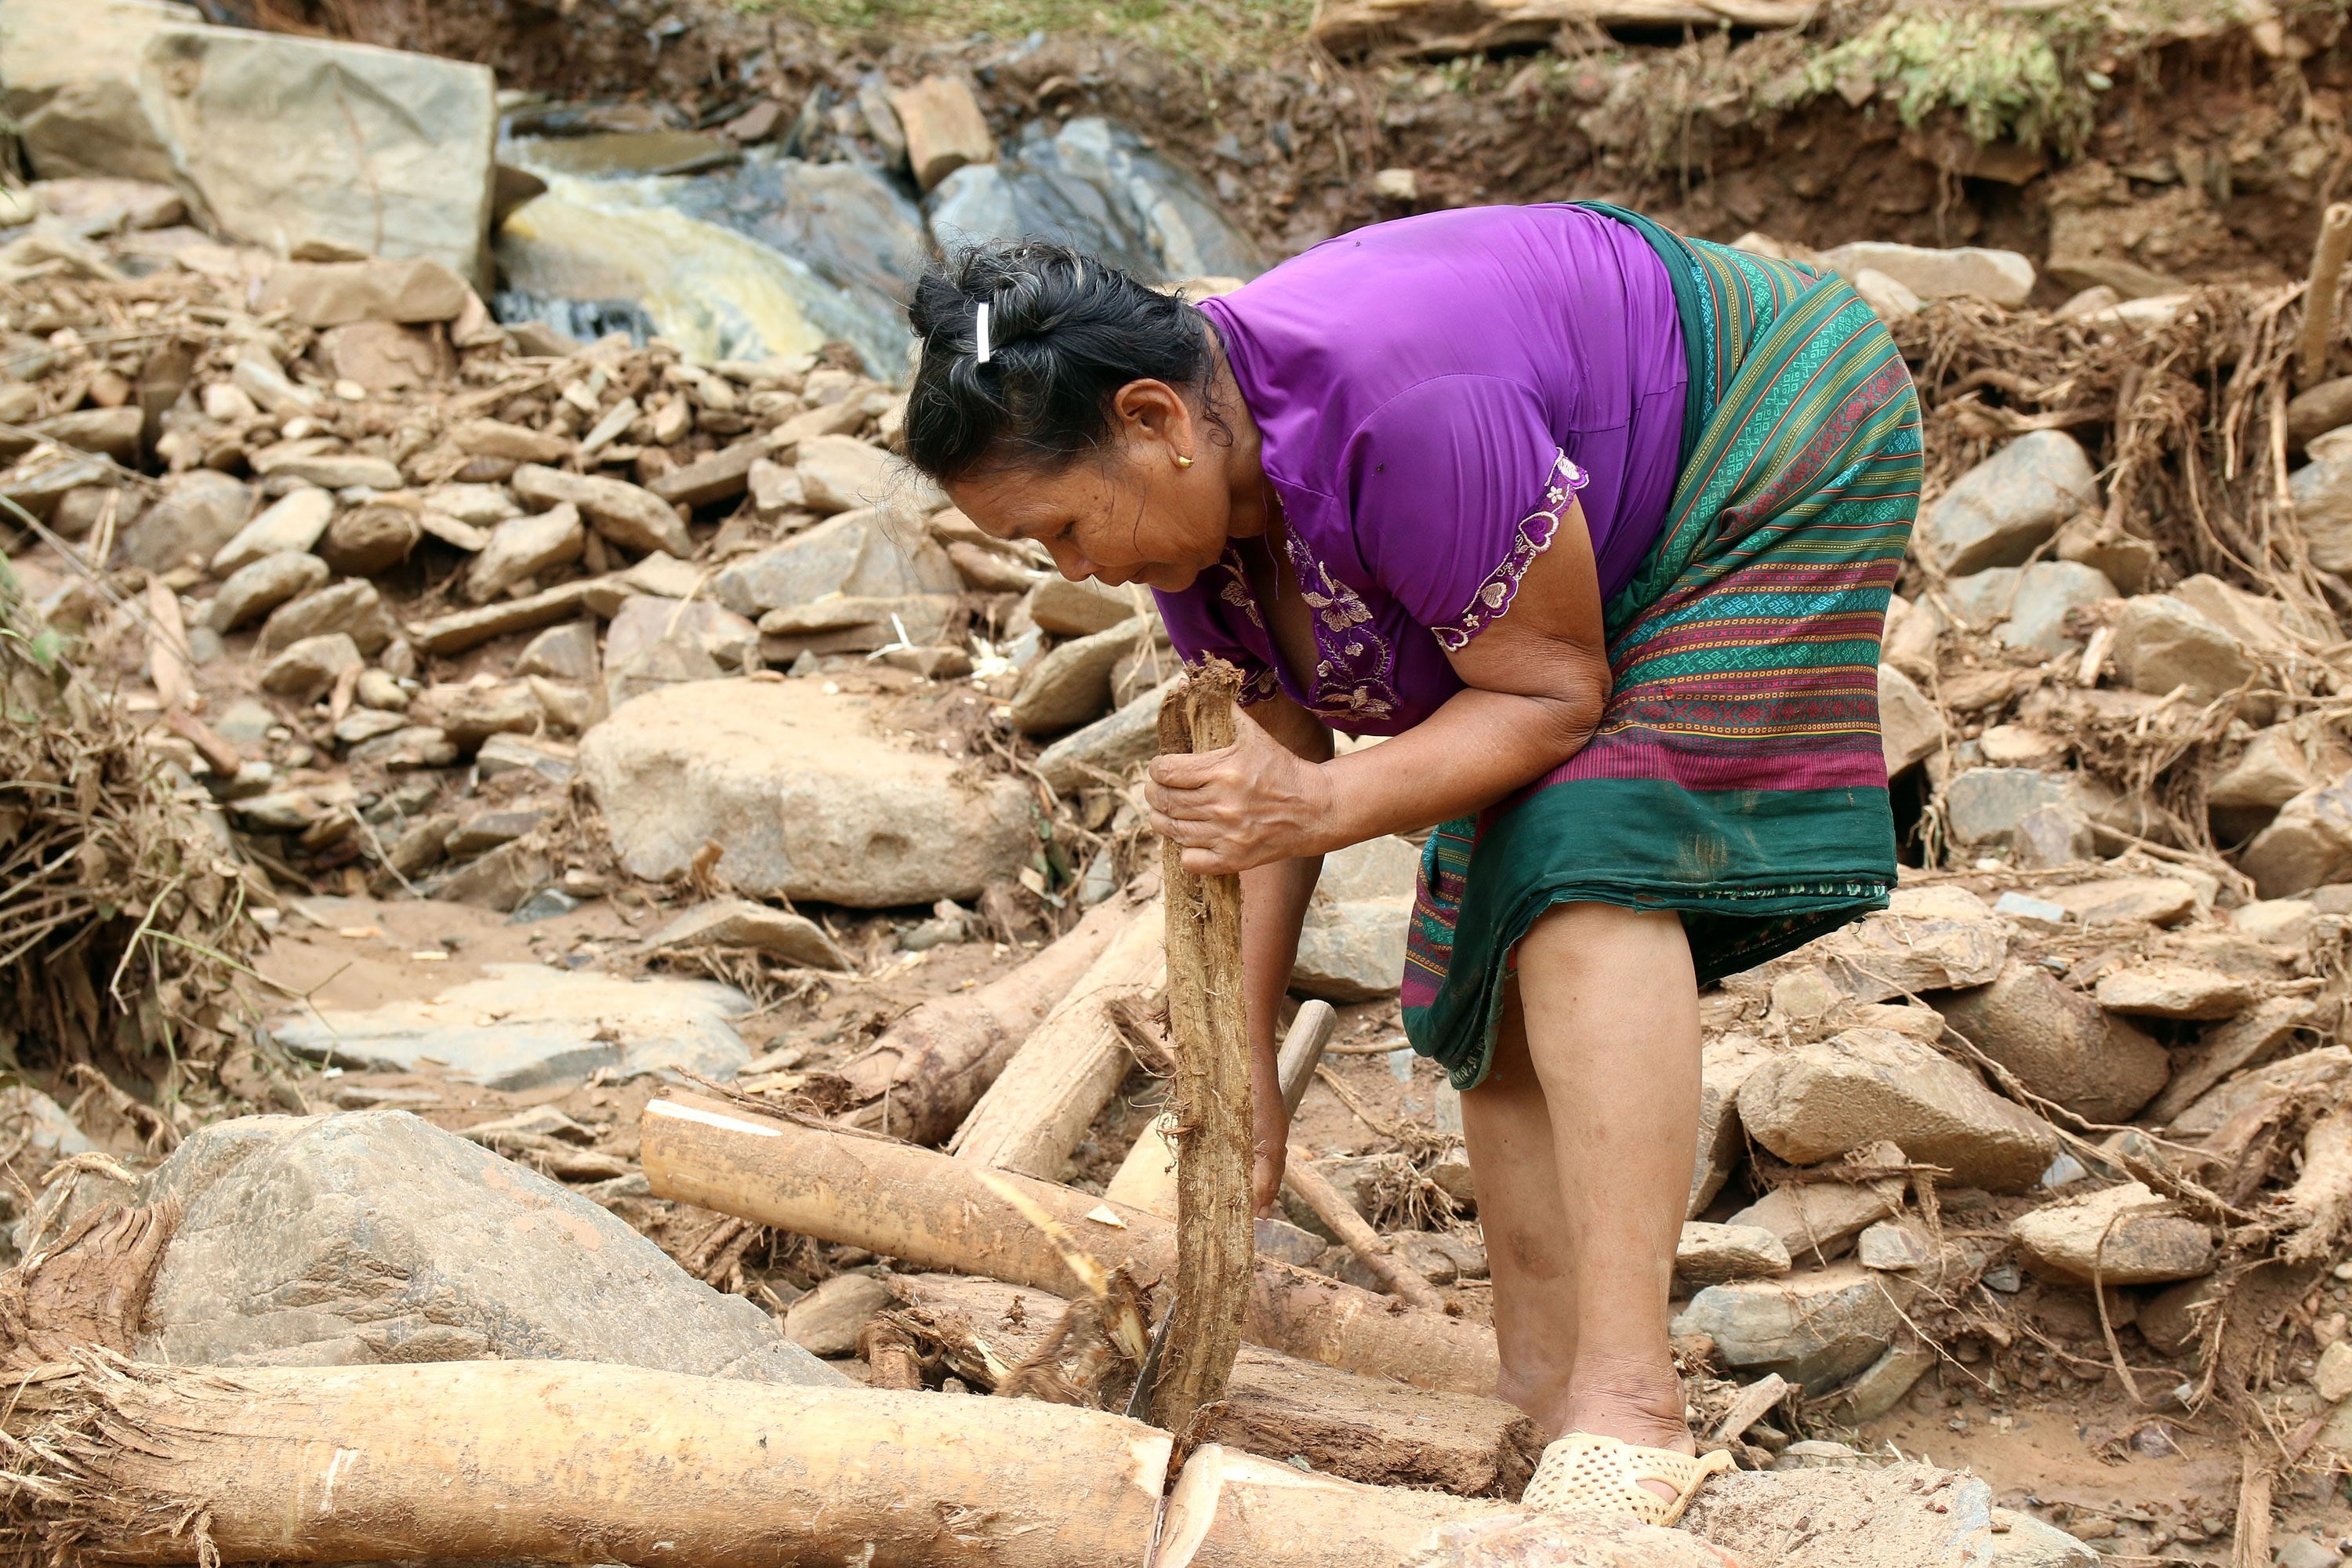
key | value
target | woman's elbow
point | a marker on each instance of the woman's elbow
(1574, 707)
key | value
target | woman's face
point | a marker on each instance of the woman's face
(1130, 514)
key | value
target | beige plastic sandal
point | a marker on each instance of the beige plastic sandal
(1586, 1473)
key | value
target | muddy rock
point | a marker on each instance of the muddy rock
(1816, 1328)
(631, 517)
(369, 539)
(2126, 901)
(1927, 939)
(293, 523)
(2059, 1043)
(410, 1244)
(1104, 751)
(1910, 727)
(1818, 1221)
(2001, 276)
(2248, 1040)
(1071, 685)
(2123, 1236)
(352, 608)
(738, 922)
(2308, 843)
(501, 879)
(826, 1321)
(803, 795)
(2169, 988)
(2161, 644)
(524, 1026)
(1712, 1254)
(200, 512)
(851, 555)
(256, 590)
(841, 623)
(1997, 511)
(308, 667)
(1080, 609)
(1817, 1101)
(1904, 1515)
(523, 548)
(2318, 1069)
(332, 470)
(1352, 943)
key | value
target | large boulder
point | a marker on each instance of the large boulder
(854, 555)
(1927, 939)
(1998, 512)
(1821, 1099)
(1352, 943)
(525, 1026)
(803, 794)
(2162, 644)
(375, 1236)
(291, 140)
(2060, 1043)
(2123, 1236)
(2026, 606)
(69, 77)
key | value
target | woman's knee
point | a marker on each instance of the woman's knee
(1609, 941)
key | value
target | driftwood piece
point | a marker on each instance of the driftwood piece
(571, 1462)
(929, 1069)
(1058, 1081)
(1146, 1179)
(1367, 1429)
(933, 1211)
(1208, 1031)
(2319, 1204)
(2327, 259)
(87, 1289)
(1372, 1249)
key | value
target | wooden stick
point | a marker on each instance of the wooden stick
(2249, 1544)
(931, 1211)
(929, 1069)
(1372, 1249)
(1208, 1028)
(167, 649)
(1302, 1051)
(2327, 259)
(1058, 1081)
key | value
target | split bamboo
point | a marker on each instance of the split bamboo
(921, 1078)
(933, 1211)
(1208, 1034)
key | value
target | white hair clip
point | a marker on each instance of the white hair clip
(980, 334)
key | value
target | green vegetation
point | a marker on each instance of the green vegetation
(1212, 31)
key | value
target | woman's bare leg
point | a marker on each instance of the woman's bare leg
(1583, 1137)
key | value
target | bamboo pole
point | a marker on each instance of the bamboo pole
(929, 1069)
(579, 1463)
(1208, 1030)
(930, 1210)
(2327, 259)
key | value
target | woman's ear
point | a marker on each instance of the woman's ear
(1154, 411)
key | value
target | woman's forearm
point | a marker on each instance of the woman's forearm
(1471, 752)
(1274, 907)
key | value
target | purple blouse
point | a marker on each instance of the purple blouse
(1430, 393)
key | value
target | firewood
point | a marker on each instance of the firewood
(933, 1211)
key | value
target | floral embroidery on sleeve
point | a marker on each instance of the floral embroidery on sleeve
(1236, 591)
(1354, 664)
(1532, 538)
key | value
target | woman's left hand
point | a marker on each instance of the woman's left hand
(1252, 803)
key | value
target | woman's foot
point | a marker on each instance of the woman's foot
(1634, 1400)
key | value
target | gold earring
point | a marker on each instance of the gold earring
(1182, 461)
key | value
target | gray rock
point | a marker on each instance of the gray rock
(1817, 1328)
(1927, 939)
(914, 623)
(501, 879)
(367, 541)
(1904, 1515)
(2250, 1039)
(1281, 1239)
(1818, 1100)
(2161, 644)
(1352, 943)
(374, 1236)
(804, 795)
(2169, 988)
(525, 1026)
(1725, 1062)
(1819, 1220)
(1985, 805)
(1999, 512)
(261, 587)
(2027, 606)
(630, 516)
(1070, 609)
(49, 1133)
(1891, 1244)
(2053, 836)
(1910, 727)
(462, 629)
(1441, 1257)
(295, 523)
(2060, 1043)
(2309, 842)
(352, 608)
(507, 754)
(244, 723)
(2123, 1236)
(2003, 277)
(2303, 1551)
(1886, 1380)
(851, 555)
(1712, 1254)
(826, 1322)
(562, 653)
(524, 547)
(305, 670)
(738, 922)
(2323, 510)
(653, 643)
(1071, 685)
(1104, 751)
(362, 724)
(417, 746)
(1361, 1178)
(201, 510)
(841, 473)
(2125, 900)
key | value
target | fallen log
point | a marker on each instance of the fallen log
(1372, 1249)
(1208, 1032)
(1368, 1429)
(570, 1462)
(929, 1069)
(933, 1211)
(1059, 1079)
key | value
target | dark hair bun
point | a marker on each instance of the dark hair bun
(1066, 333)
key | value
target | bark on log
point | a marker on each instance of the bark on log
(1368, 1429)
(929, 1068)
(1208, 1030)
(1146, 1177)
(933, 1211)
(1058, 1081)
(570, 1462)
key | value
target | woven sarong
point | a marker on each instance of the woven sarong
(1735, 775)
